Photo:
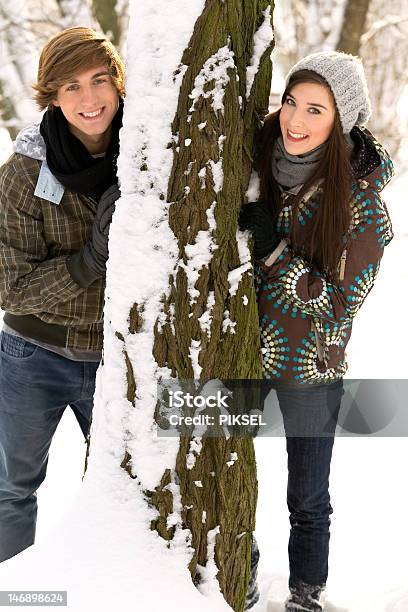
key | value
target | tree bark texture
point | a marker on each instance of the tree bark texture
(354, 21)
(202, 137)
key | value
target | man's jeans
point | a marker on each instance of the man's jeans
(310, 414)
(36, 385)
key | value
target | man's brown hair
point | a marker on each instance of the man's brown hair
(70, 52)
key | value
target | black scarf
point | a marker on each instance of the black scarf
(69, 160)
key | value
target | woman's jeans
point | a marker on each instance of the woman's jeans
(36, 385)
(310, 414)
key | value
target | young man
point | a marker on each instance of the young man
(57, 196)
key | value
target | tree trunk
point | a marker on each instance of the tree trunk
(208, 327)
(354, 20)
(105, 13)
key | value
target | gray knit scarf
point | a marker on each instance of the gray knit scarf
(292, 170)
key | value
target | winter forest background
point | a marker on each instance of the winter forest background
(369, 538)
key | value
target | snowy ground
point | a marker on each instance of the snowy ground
(368, 569)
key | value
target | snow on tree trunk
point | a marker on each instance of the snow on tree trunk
(213, 136)
(180, 303)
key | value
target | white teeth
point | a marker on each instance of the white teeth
(298, 136)
(94, 114)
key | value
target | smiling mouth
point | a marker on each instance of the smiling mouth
(91, 116)
(296, 136)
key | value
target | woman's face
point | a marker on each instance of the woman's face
(306, 118)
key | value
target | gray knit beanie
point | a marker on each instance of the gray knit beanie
(345, 76)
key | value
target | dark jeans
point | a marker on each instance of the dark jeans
(36, 385)
(310, 414)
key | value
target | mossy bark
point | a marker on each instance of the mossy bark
(227, 497)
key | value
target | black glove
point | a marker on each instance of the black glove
(257, 218)
(90, 263)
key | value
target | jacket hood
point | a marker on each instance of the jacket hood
(30, 143)
(371, 163)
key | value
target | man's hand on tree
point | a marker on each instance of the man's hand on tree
(90, 263)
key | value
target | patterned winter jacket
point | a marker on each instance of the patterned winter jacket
(306, 320)
(41, 224)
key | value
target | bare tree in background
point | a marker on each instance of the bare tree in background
(384, 51)
(306, 26)
(375, 30)
(108, 18)
(352, 30)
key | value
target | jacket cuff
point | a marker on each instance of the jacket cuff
(80, 271)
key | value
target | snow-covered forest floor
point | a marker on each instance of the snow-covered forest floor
(104, 562)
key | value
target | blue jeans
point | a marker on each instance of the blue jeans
(36, 385)
(310, 414)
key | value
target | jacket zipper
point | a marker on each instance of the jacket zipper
(319, 344)
(342, 265)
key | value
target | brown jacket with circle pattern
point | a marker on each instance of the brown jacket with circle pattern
(306, 320)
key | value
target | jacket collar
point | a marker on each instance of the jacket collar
(371, 163)
(30, 143)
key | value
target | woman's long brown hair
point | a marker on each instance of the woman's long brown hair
(332, 217)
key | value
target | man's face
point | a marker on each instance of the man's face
(89, 102)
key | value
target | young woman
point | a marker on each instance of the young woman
(320, 229)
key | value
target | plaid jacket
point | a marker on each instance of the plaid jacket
(36, 235)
